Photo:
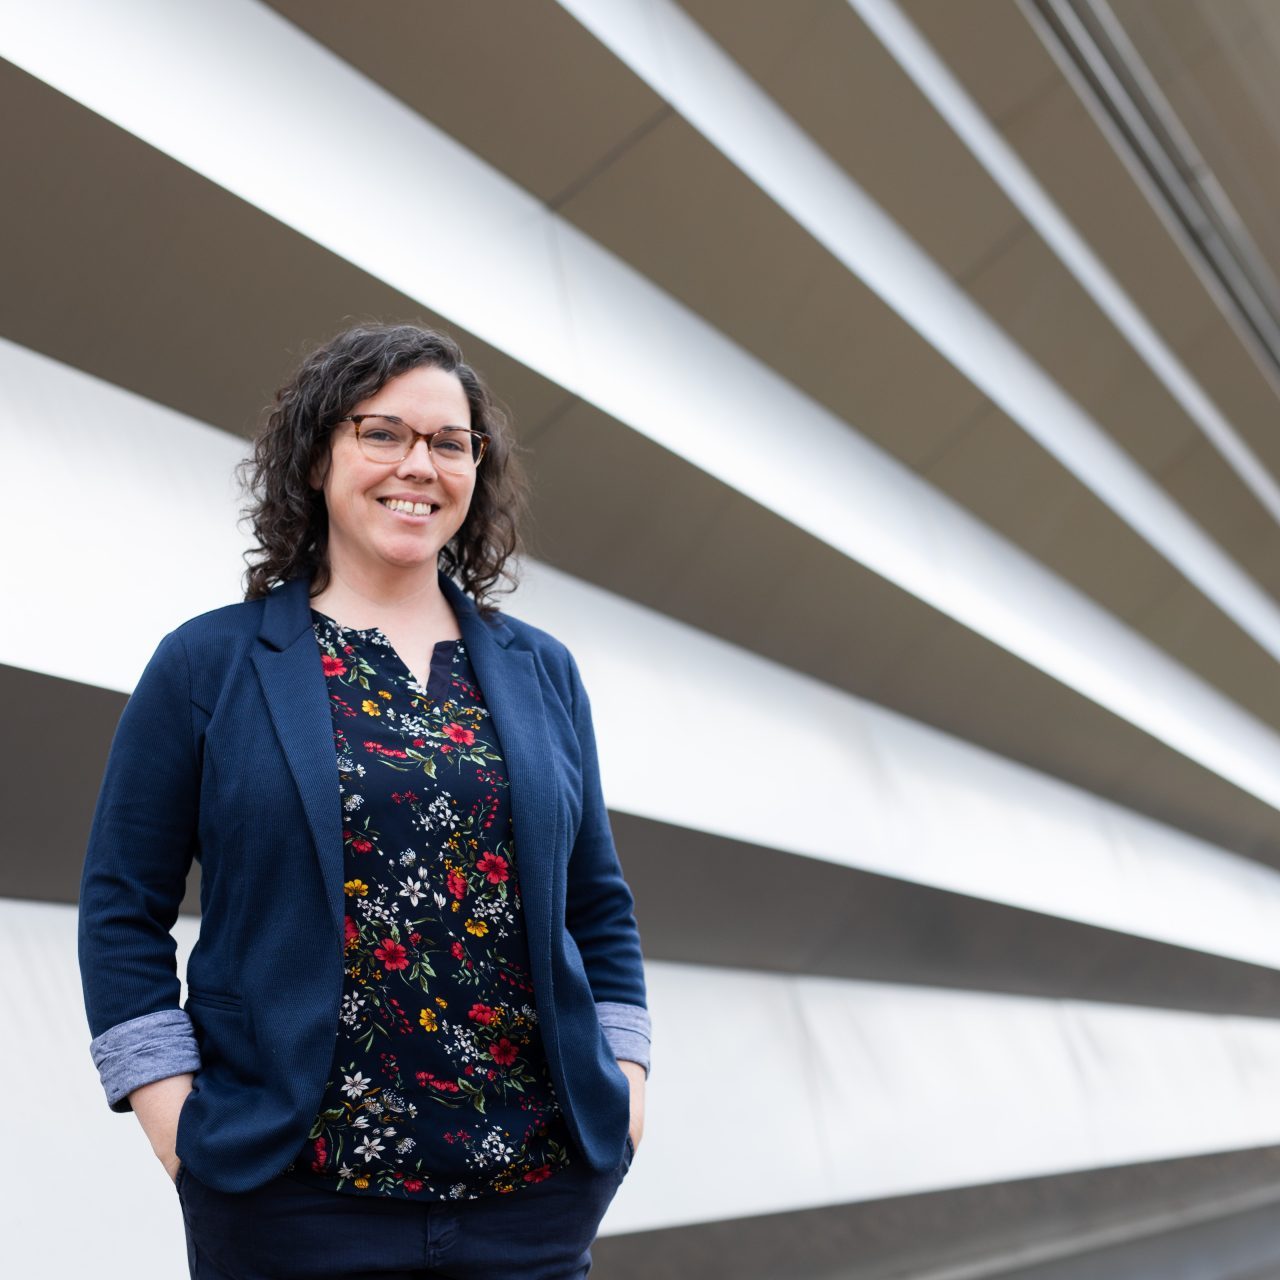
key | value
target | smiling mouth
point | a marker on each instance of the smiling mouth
(401, 507)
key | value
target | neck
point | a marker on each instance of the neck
(353, 595)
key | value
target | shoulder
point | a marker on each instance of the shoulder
(226, 619)
(551, 653)
(203, 651)
(227, 623)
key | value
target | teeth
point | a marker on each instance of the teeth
(410, 508)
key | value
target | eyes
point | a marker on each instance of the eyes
(448, 441)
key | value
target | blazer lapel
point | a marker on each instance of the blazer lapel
(512, 691)
(293, 684)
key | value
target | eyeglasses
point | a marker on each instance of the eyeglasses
(384, 438)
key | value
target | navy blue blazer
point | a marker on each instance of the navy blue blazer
(224, 753)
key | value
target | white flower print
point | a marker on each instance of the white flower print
(353, 802)
(440, 814)
(354, 1086)
(405, 1145)
(369, 1148)
(495, 1148)
(414, 889)
(351, 1006)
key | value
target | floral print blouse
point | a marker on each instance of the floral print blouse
(439, 1086)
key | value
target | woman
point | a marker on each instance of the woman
(415, 1040)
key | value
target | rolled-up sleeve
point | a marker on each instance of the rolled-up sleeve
(626, 1028)
(142, 1050)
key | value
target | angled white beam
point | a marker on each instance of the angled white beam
(890, 1090)
(195, 81)
(667, 50)
(934, 79)
(931, 809)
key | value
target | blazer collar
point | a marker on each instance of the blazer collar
(287, 614)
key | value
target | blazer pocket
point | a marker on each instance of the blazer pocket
(219, 999)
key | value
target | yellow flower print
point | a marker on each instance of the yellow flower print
(427, 1020)
(478, 927)
(382, 693)
(362, 1182)
(370, 708)
(355, 889)
(455, 906)
(442, 1002)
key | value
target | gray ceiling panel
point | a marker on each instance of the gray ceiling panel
(202, 302)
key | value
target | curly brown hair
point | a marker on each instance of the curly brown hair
(288, 517)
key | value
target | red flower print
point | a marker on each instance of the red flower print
(493, 866)
(460, 734)
(427, 1080)
(503, 1053)
(481, 1013)
(361, 845)
(351, 932)
(542, 1172)
(456, 951)
(392, 954)
(457, 884)
(419, 742)
(415, 938)
(333, 666)
(412, 1184)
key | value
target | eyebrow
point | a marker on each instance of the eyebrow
(395, 417)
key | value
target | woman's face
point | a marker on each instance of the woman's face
(367, 536)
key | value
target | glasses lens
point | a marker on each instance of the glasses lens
(454, 449)
(385, 440)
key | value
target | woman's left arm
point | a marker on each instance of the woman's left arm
(600, 914)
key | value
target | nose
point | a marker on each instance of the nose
(418, 461)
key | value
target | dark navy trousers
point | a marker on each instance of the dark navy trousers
(287, 1230)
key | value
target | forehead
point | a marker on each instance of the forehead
(425, 392)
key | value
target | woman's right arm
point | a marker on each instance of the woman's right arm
(141, 845)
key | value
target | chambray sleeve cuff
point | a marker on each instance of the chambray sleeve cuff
(142, 1050)
(626, 1028)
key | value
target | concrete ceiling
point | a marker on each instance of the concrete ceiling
(151, 276)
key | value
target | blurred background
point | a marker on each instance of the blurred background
(899, 382)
